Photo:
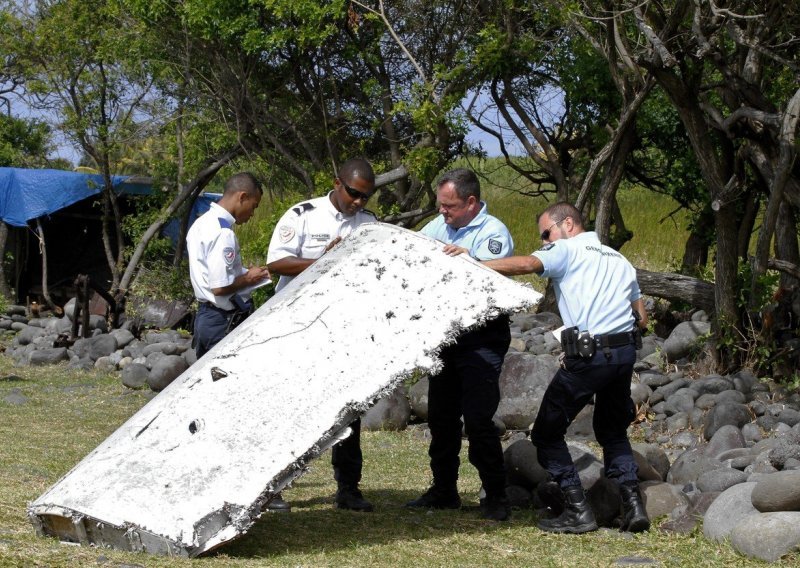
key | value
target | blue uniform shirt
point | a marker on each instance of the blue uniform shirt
(594, 284)
(486, 236)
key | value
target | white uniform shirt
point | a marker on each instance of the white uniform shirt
(594, 284)
(486, 237)
(307, 228)
(214, 257)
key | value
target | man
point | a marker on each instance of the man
(600, 304)
(221, 284)
(304, 233)
(468, 384)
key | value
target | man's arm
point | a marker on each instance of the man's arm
(516, 265)
(253, 276)
(638, 307)
(293, 265)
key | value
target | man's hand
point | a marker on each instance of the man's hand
(454, 250)
(333, 243)
(255, 274)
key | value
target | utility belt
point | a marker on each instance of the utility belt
(585, 345)
(242, 309)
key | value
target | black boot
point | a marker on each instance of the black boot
(437, 498)
(495, 507)
(577, 516)
(349, 497)
(634, 515)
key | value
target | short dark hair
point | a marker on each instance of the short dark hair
(243, 181)
(465, 182)
(561, 210)
(356, 167)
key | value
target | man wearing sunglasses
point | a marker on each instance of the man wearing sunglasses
(468, 384)
(304, 233)
(603, 311)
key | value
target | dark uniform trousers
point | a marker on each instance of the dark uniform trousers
(347, 459)
(210, 326)
(607, 377)
(468, 385)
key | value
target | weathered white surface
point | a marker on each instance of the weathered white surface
(192, 469)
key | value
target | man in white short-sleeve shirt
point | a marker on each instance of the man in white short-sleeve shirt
(304, 233)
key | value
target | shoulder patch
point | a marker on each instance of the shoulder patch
(548, 246)
(302, 208)
(229, 254)
(285, 233)
(224, 223)
(495, 246)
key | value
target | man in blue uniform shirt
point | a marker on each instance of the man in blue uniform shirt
(468, 384)
(601, 305)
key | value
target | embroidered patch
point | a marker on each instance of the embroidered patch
(285, 233)
(230, 255)
(495, 246)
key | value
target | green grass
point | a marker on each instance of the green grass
(69, 413)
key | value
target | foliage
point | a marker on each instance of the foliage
(23, 143)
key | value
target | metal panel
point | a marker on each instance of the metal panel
(193, 468)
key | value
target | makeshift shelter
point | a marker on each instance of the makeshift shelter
(65, 205)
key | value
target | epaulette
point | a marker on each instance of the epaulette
(548, 246)
(302, 208)
(224, 223)
(368, 212)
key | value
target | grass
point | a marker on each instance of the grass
(68, 413)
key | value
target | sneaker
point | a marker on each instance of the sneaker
(277, 505)
(350, 498)
(496, 508)
(435, 498)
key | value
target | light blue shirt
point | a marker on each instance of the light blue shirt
(594, 284)
(486, 237)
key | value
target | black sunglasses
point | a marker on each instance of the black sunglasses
(354, 193)
(546, 233)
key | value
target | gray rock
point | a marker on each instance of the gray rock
(687, 521)
(191, 356)
(731, 396)
(97, 322)
(165, 347)
(779, 491)
(418, 398)
(81, 364)
(726, 413)
(706, 401)
(165, 370)
(28, 334)
(646, 471)
(684, 440)
(744, 380)
(728, 510)
(789, 416)
(685, 339)
(604, 499)
(678, 422)
(690, 465)
(681, 401)
(655, 456)
(726, 438)
(720, 479)
(713, 384)
(581, 428)
(48, 356)
(590, 469)
(102, 346)
(69, 308)
(391, 412)
(517, 344)
(522, 383)
(640, 393)
(15, 398)
(123, 337)
(767, 536)
(787, 447)
(134, 375)
(104, 363)
(522, 466)
(18, 326)
(663, 499)
(653, 379)
(169, 336)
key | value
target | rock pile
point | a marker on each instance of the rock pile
(724, 450)
(154, 360)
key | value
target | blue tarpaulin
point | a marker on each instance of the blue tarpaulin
(29, 194)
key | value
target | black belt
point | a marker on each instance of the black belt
(615, 339)
(216, 308)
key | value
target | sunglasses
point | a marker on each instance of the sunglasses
(354, 193)
(546, 233)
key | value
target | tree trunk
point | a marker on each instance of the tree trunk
(677, 288)
(43, 251)
(5, 290)
(695, 252)
(192, 189)
(786, 246)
